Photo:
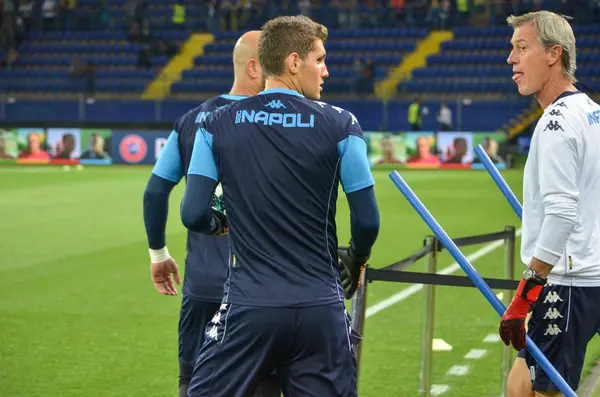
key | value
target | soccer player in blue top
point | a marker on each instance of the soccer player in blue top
(280, 157)
(207, 256)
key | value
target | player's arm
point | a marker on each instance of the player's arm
(557, 174)
(156, 209)
(558, 188)
(167, 173)
(357, 182)
(196, 207)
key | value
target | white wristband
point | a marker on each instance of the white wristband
(160, 255)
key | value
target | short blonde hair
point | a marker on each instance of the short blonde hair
(284, 35)
(552, 29)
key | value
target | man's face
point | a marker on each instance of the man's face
(96, 143)
(423, 146)
(387, 146)
(34, 143)
(492, 148)
(313, 72)
(529, 60)
(460, 146)
(69, 143)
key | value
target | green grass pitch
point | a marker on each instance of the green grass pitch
(79, 316)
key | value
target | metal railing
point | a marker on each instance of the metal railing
(396, 273)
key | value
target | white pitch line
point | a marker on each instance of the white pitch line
(437, 390)
(475, 354)
(413, 289)
(458, 370)
(492, 338)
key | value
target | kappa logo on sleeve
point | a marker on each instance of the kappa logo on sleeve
(553, 126)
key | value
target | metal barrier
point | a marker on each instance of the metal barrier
(479, 282)
(431, 247)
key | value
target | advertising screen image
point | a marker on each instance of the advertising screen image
(9, 149)
(95, 146)
(491, 144)
(386, 148)
(64, 145)
(421, 150)
(455, 149)
(32, 145)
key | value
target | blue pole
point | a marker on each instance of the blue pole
(412, 198)
(500, 182)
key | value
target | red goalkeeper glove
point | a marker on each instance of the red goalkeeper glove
(512, 326)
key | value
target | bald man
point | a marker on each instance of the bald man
(207, 257)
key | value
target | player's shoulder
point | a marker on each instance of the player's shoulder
(194, 115)
(214, 103)
(202, 112)
(571, 104)
(337, 114)
(569, 112)
(212, 119)
(585, 110)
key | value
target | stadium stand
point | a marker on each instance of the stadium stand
(47, 63)
(475, 62)
(97, 50)
(116, 52)
(345, 49)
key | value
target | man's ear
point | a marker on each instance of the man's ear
(252, 68)
(293, 63)
(554, 54)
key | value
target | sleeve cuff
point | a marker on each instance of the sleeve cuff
(546, 256)
(359, 186)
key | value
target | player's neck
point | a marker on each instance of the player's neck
(281, 82)
(553, 90)
(241, 89)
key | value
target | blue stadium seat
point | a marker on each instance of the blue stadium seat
(475, 61)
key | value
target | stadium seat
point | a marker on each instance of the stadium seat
(475, 61)
(385, 47)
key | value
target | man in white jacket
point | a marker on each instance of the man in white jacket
(561, 210)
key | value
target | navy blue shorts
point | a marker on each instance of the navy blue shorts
(563, 321)
(193, 317)
(311, 349)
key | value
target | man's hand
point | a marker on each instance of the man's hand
(163, 270)
(512, 327)
(352, 266)
(163, 274)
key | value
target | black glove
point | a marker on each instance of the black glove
(351, 269)
(221, 222)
